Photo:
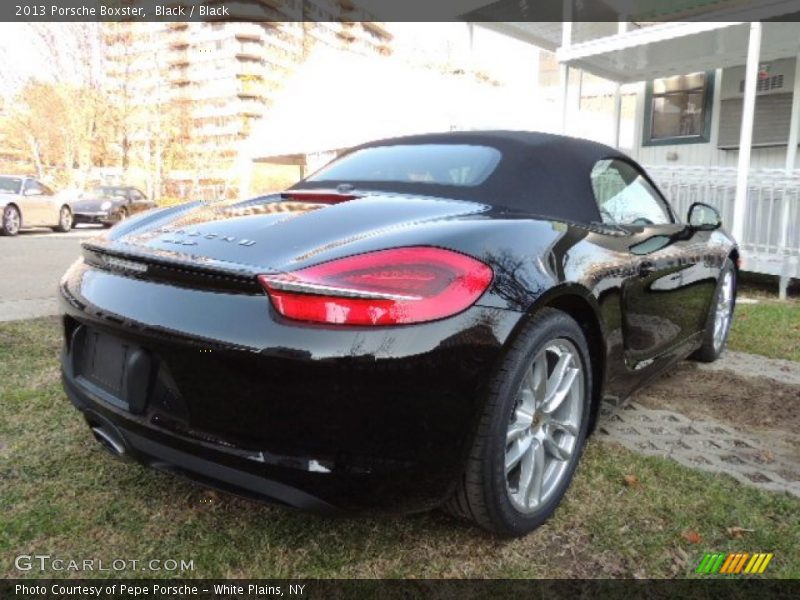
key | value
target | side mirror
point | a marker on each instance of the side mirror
(32, 192)
(703, 217)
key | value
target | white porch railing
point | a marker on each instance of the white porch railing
(771, 242)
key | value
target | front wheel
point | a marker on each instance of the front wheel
(117, 217)
(532, 431)
(64, 220)
(11, 221)
(720, 316)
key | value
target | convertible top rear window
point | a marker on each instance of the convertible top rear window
(461, 165)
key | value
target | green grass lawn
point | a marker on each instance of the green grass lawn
(770, 328)
(62, 495)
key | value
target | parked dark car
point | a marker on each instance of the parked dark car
(110, 204)
(427, 321)
(27, 202)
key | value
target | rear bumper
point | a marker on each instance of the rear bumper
(310, 417)
(129, 442)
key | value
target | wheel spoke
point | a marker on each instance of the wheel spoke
(550, 443)
(517, 451)
(533, 493)
(527, 402)
(564, 359)
(537, 378)
(515, 431)
(526, 471)
(564, 387)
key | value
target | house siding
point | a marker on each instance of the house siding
(707, 154)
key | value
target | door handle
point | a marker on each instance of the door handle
(646, 268)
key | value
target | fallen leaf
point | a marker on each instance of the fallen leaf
(631, 480)
(691, 536)
(738, 532)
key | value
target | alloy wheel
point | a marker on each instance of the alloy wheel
(542, 435)
(11, 221)
(65, 219)
(722, 318)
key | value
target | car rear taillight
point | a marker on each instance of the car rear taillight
(387, 287)
(318, 197)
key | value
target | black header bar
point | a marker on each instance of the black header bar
(398, 10)
(743, 588)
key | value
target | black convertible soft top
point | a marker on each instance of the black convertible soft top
(539, 173)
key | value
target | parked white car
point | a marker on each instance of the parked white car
(26, 202)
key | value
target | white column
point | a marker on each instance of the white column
(622, 27)
(638, 121)
(471, 42)
(563, 72)
(563, 77)
(716, 105)
(746, 137)
(791, 156)
(791, 149)
(617, 112)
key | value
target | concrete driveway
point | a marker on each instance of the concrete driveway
(33, 262)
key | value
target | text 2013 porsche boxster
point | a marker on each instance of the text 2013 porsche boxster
(426, 321)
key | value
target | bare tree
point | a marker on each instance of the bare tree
(61, 116)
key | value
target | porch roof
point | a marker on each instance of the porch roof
(677, 48)
(659, 50)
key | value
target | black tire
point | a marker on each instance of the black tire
(65, 220)
(711, 348)
(11, 221)
(118, 216)
(482, 495)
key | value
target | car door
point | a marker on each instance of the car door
(137, 201)
(665, 300)
(35, 204)
(51, 206)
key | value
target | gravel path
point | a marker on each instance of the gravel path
(753, 365)
(737, 416)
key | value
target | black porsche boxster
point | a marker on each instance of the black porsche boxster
(110, 204)
(427, 321)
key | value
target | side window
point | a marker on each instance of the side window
(136, 196)
(625, 197)
(34, 187)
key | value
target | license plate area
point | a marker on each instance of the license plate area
(117, 371)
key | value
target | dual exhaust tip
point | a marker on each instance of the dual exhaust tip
(109, 439)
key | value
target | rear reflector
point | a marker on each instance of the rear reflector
(387, 287)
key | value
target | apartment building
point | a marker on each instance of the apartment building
(195, 89)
